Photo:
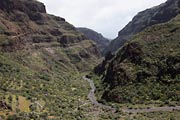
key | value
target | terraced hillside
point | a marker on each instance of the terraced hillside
(41, 57)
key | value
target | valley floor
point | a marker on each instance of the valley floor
(133, 112)
(78, 106)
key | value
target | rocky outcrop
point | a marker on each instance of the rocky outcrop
(146, 68)
(98, 38)
(101, 68)
(69, 39)
(24, 24)
(26, 6)
(145, 19)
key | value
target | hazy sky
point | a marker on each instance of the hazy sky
(104, 16)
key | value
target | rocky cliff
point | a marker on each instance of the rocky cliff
(145, 69)
(40, 57)
(26, 25)
(98, 38)
(143, 20)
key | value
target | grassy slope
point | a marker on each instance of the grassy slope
(38, 76)
(41, 65)
(61, 92)
(146, 70)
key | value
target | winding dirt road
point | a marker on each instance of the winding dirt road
(93, 100)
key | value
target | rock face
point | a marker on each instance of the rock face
(41, 56)
(22, 5)
(145, 19)
(101, 41)
(25, 24)
(147, 68)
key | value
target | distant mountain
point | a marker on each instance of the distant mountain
(98, 38)
(41, 57)
(143, 20)
(147, 68)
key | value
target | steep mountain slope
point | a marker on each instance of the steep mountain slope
(41, 56)
(147, 68)
(145, 19)
(101, 41)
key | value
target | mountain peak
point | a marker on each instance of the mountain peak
(22, 6)
(149, 17)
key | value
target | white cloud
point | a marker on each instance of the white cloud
(105, 16)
